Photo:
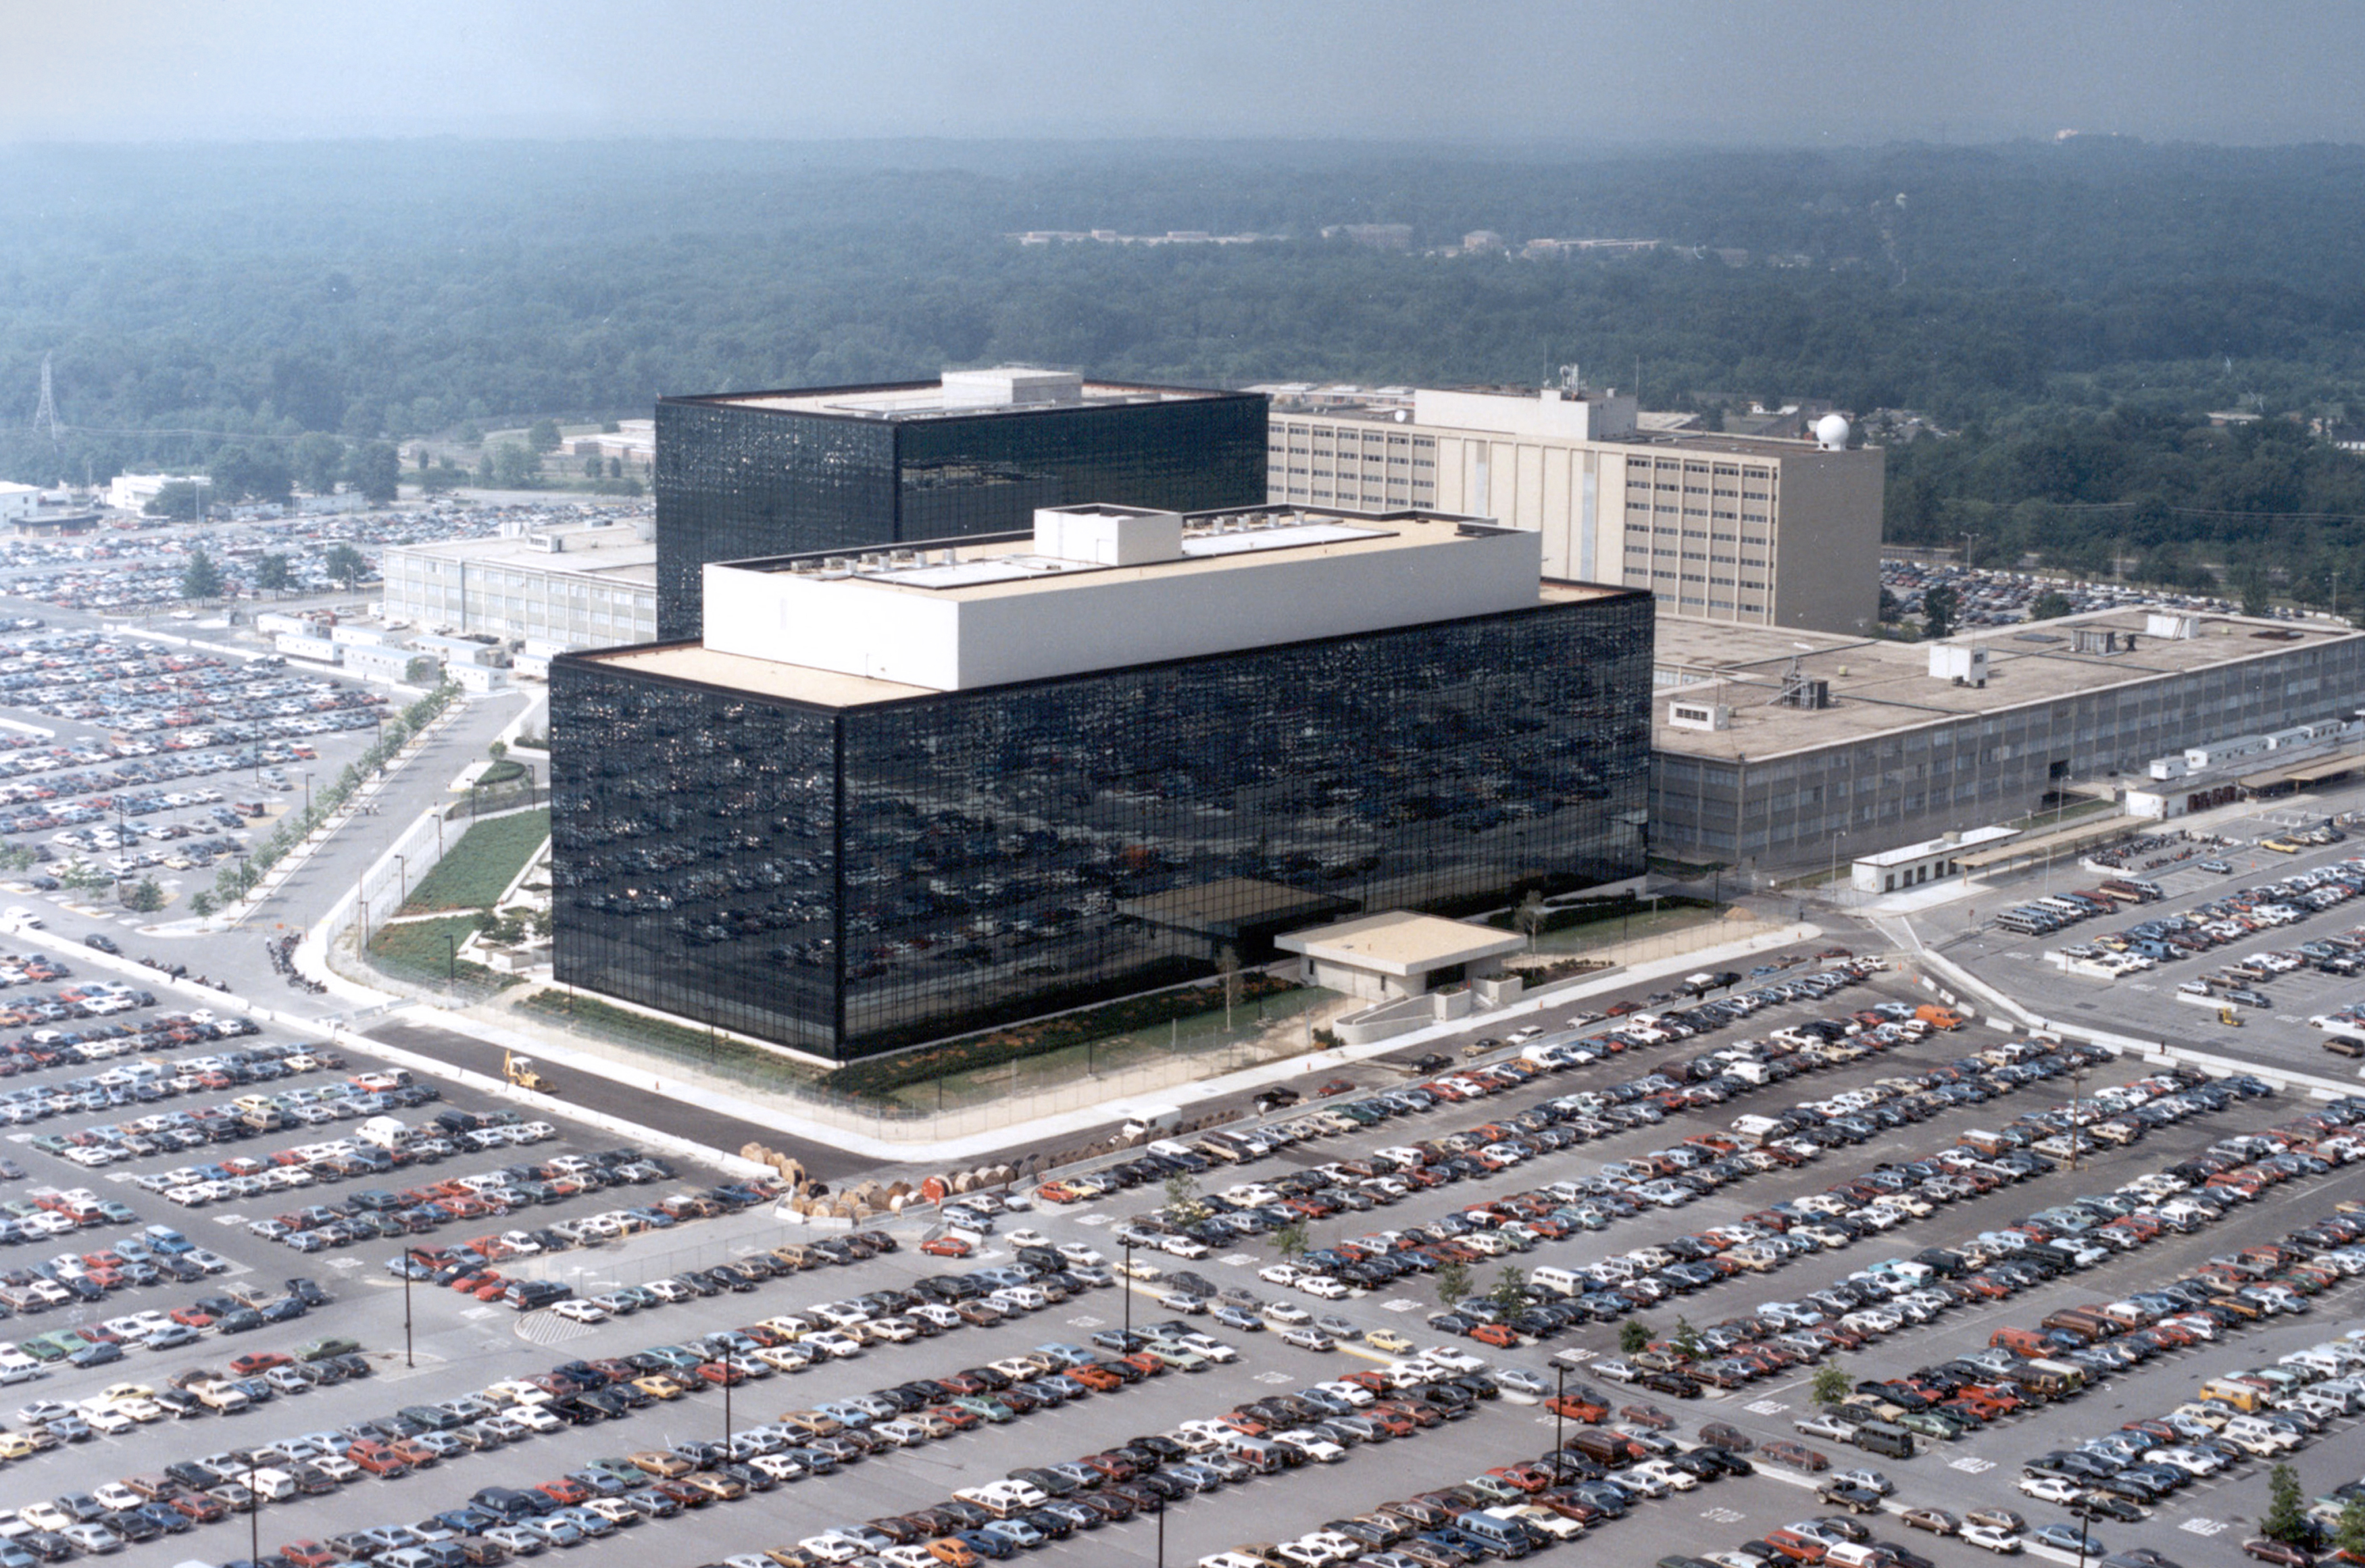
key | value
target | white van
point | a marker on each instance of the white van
(272, 1485)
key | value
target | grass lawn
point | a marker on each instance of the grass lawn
(481, 866)
(420, 951)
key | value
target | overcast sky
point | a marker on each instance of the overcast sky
(1801, 71)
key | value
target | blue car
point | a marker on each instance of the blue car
(2068, 1537)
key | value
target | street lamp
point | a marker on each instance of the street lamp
(402, 883)
(307, 804)
(409, 1359)
(1832, 877)
(1129, 1288)
(451, 958)
(1560, 1422)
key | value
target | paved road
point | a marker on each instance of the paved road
(594, 1092)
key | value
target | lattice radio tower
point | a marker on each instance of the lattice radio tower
(45, 418)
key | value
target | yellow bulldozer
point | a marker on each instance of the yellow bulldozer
(520, 1072)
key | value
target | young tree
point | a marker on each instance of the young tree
(1183, 1203)
(202, 904)
(347, 566)
(1531, 915)
(1686, 1339)
(147, 897)
(498, 750)
(1452, 1282)
(2349, 1531)
(2286, 1515)
(2050, 605)
(1831, 1385)
(1293, 1241)
(1633, 1337)
(201, 578)
(1512, 1294)
(271, 573)
(1938, 612)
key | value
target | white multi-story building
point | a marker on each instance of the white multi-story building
(1739, 529)
(571, 587)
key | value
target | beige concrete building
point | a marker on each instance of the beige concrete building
(1736, 529)
(569, 588)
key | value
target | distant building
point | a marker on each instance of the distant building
(1727, 527)
(19, 502)
(576, 587)
(1479, 242)
(633, 442)
(744, 475)
(132, 492)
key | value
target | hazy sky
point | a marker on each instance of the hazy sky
(1799, 72)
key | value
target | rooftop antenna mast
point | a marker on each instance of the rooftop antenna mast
(1571, 378)
(45, 418)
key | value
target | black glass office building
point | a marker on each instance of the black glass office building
(846, 879)
(746, 475)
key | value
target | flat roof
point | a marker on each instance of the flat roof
(1392, 411)
(1241, 538)
(1928, 846)
(617, 551)
(1880, 686)
(895, 401)
(1400, 943)
(695, 663)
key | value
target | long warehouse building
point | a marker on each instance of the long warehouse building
(1776, 748)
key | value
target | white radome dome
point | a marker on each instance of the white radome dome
(1831, 433)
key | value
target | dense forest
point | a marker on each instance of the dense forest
(2072, 309)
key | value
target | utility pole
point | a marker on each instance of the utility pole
(409, 1356)
(1560, 1422)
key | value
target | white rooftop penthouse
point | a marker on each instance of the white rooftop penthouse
(1098, 587)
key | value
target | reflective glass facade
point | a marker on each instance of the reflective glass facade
(735, 481)
(848, 880)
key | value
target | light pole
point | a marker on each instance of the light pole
(402, 882)
(1560, 1422)
(1832, 877)
(408, 1357)
(1128, 1292)
(2076, 1096)
(729, 1371)
(450, 959)
(253, 1506)
(307, 805)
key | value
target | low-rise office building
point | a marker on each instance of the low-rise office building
(900, 793)
(578, 587)
(1742, 530)
(1782, 749)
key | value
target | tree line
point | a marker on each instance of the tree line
(2072, 309)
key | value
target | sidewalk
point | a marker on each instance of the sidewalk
(784, 1112)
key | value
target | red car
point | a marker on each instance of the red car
(947, 1247)
(308, 1554)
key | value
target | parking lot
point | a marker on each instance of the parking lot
(466, 1345)
(2146, 1004)
(119, 571)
